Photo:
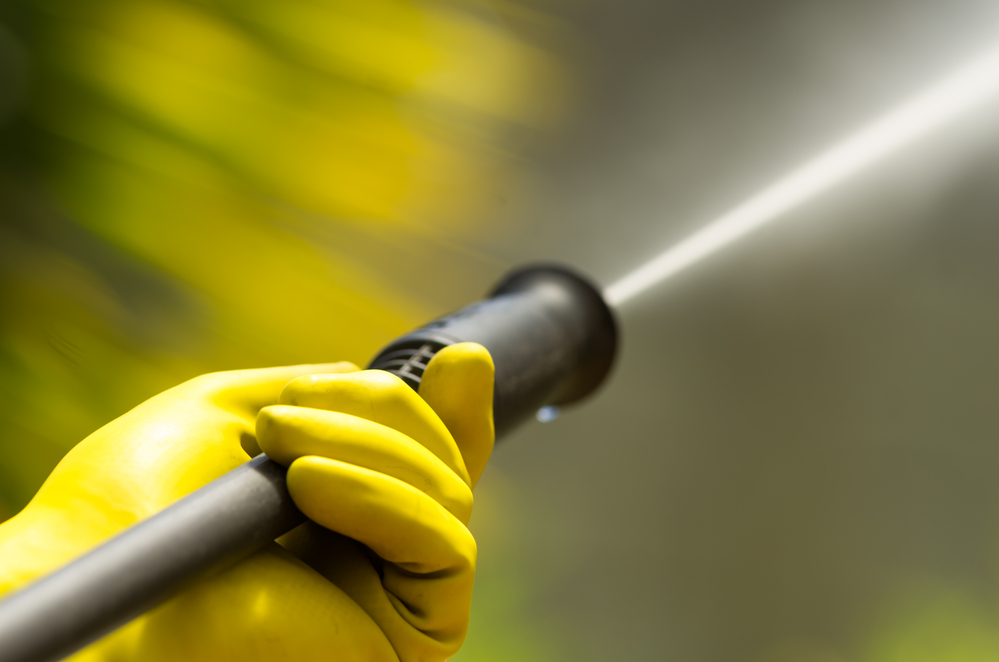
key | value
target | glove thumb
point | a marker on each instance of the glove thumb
(458, 386)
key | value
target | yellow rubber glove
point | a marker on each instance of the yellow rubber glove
(384, 569)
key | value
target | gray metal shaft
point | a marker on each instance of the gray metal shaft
(220, 523)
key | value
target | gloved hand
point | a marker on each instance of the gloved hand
(384, 569)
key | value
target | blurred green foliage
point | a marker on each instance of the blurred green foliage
(925, 623)
(503, 624)
(935, 624)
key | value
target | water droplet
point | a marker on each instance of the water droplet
(548, 414)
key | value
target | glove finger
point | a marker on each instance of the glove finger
(287, 433)
(458, 386)
(245, 392)
(401, 524)
(383, 398)
(429, 556)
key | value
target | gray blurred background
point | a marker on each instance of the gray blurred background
(797, 456)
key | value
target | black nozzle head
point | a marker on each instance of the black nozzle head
(549, 331)
(582, 306)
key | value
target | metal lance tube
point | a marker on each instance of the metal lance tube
(552, 338)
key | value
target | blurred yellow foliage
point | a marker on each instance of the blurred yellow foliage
(191, 186)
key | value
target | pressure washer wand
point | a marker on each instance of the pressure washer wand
(552, 338)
